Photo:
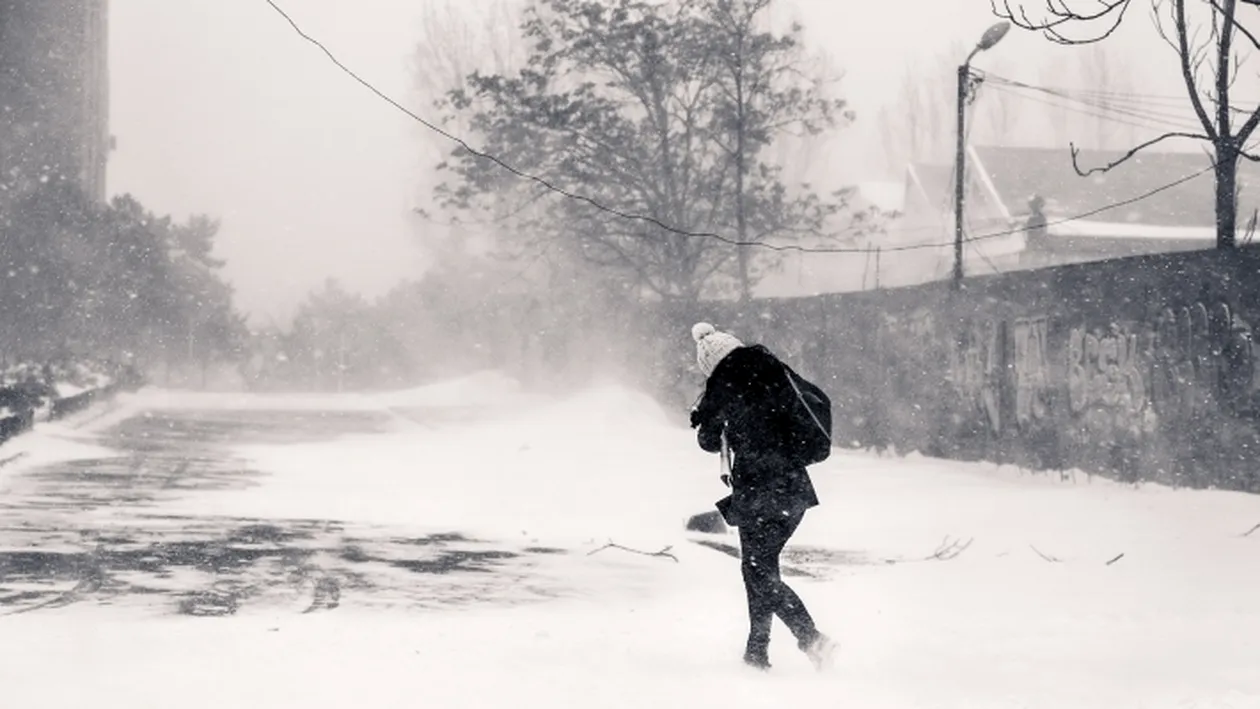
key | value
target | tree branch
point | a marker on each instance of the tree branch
(1086, 173)
(1229, 17)
(662, 553)
(1248, 128)
(1046, 557)
(1188, 71)
(1062, 15)
(1224, 41)
(949, 549)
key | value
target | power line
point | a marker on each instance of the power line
(1183, 122)
(1150, 114)
(1122, 115)
(522, 174)
(1141, 99)
(651, 220)
(1141, 106)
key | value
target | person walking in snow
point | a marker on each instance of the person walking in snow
(744, 412)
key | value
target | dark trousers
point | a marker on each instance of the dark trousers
(761, 542)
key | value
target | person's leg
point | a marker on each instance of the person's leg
(792, 611)
(757, 586)
(761, 543)
(787, 605)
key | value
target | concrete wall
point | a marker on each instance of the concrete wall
(1139, 369)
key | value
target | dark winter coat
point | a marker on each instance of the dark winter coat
(748, 395)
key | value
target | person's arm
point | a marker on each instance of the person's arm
(708, 420)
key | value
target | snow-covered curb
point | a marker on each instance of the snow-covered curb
(56, 409)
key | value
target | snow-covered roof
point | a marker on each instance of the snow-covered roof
(1123, 230)
(1017, 174)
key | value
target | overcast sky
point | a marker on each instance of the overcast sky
(218, 107)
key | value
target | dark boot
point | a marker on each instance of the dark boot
(757, 659)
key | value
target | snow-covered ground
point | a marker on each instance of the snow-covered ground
(1030, 614)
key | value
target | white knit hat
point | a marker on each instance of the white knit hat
(712, 346)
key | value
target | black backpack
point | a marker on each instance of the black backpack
(810, 414)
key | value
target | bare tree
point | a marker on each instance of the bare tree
(901, 125)
(1209, 66)
(462, 38)
(1058, 115)
(1002, 112)
(1108, 81)
(917, 125)
(457, 40)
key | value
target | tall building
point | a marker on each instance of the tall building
(54, 93)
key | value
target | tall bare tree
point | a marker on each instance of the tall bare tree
(1059, 116)
(1001, 110)
(1108, 81)
(1205, 35)
(458, 39)
(917, 125)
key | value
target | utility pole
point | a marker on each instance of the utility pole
(960, 160)
(992, 36)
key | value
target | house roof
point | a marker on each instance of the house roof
(935, 181)
(1120, 231)
(1019, 173)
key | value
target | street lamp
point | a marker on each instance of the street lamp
(991, 36)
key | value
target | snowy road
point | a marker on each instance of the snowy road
(446, 548)
(101, 530)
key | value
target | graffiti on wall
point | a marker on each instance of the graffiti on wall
(1119, 379)
(1031, 369)
(1104, 370)
(921, 326)
(975, 368)
(1202, 357)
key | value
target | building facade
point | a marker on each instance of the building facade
(54, 93)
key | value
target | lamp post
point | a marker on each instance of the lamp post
(991, 36)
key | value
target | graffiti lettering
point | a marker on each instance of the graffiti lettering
(974, 371)
(1032, 371)
(1104, 371)
(1202, 357)
(922, 326)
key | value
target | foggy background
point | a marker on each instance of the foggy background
(219, 107)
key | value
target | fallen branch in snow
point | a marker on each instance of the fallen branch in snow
(1116, 558)
(1047, 557)
(949, 549)
(662, 553)
(1249, 532)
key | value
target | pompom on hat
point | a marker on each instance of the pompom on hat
(712, 345)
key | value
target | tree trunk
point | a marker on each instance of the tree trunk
(741, 217)
(1226, 203)
(1227, 145)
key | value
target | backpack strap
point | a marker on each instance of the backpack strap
(792, 380)
(726, 460)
